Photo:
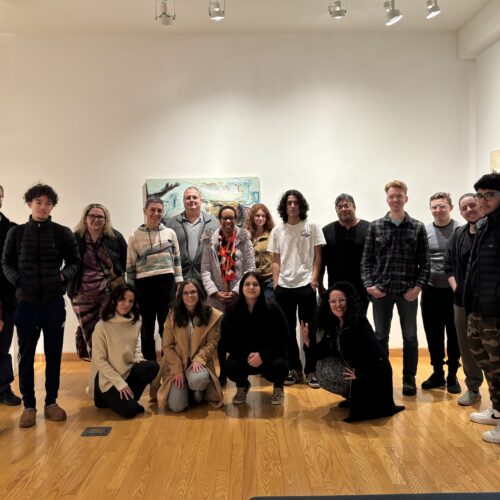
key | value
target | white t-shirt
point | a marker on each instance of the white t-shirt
(295, 245)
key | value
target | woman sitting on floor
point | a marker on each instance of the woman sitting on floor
(255, 334)
(350, 360)
(189, 343)
(119, 374)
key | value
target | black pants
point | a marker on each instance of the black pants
(238, 371)
(154, 303)
(303, 299)
(30, 320)
(438, 316)
(6, 373)
(140, 376)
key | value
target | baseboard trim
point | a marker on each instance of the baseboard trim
(396, 352)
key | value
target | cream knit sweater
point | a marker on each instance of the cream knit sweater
(116, 346)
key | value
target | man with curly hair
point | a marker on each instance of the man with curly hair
(296, 244)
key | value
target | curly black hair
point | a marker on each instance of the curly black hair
(41, 190)
(354, 312)
(202, 311)
(117, 294)
(303, 205)
(488, 181)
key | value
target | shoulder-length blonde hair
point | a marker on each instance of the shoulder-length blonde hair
(81, 227)
(250, 224)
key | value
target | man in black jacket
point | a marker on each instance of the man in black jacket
(7, 309)
(33, 262)
(482, 299)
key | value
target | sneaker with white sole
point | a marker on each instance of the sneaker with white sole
(485, 417)
(469, 398)
(294, 377)
(240, 397)
(492, 436)
(278, 396)
(312, 381)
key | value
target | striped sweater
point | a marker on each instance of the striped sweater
(153, 252)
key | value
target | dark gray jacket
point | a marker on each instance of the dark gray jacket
(33, 259)
(191, 268)
(7, 290)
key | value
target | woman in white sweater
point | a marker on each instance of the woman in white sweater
(119, 374)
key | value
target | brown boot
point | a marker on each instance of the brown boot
(28, 418)
(54, 412)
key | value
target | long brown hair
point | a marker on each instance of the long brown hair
(250, 223)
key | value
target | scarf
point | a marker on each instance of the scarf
(227, 252)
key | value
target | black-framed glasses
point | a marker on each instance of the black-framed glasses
(96, 217)
(489, 195)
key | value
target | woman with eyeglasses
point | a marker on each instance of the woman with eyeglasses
(189, 343)
(259, 223)
(255, 334)
(350, 360)
(103, 252)
(227, 256)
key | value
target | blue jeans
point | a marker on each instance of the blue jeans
(382, 316)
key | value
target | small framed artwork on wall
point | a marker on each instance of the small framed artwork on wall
(495, 161)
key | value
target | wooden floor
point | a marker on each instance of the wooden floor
(301, 448)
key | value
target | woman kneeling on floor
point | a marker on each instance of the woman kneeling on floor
(350, 360)
(119, 374)
(256, 336)
(189, 343)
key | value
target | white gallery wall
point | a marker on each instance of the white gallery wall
(488, 106)
(96, 116)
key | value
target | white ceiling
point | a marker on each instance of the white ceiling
(243, 16)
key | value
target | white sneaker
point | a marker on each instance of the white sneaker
(492, 436)
(485, 417)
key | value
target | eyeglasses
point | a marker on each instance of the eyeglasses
(251, 284)
(489, 195)
(344, 206)
(227, 218)
(189, 293)
(96, 217)
(340, 301)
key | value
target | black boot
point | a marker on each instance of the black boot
(435, 380)
(452, 384)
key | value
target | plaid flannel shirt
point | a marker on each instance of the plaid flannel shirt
(395, 258)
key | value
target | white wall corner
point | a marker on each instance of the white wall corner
(480, 32)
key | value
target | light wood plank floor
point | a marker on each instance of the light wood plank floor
(301, 448)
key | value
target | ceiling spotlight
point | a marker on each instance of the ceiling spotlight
(216, 11)
(393, 15)
(432, 9)
(336, 10)
(165, 11)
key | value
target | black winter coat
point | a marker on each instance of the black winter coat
(7, 290)
(264, 330)
(33, 260)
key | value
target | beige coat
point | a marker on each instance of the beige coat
(175, 357)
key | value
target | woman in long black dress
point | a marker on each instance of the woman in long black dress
(350, 360)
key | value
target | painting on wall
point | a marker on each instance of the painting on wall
(495, 161)
(238, 192)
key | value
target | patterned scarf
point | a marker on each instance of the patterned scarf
(227, 252)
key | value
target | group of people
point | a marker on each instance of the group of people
(238, 292)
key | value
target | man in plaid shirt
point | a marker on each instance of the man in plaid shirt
(394, 269)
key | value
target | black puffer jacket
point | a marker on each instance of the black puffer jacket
(482, 282)
(33, 258)
(117, 250)
(7, 290)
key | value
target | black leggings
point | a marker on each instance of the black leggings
(140, 376)
(238, 371)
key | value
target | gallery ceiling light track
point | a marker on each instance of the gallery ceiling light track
(165, 10)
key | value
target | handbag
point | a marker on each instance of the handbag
(330, 374)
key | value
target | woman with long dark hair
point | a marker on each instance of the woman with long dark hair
(255, 334)
(119, 374)
(227, 255)
(259, 223)
(350, 360)
(103, 251)
(189, 343)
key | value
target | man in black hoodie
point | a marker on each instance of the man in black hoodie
(32, 261)
(7, 309)
(482, 299)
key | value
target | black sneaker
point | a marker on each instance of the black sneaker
(434, 381)
(9, 398)
(453, 385)
(409, 386)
